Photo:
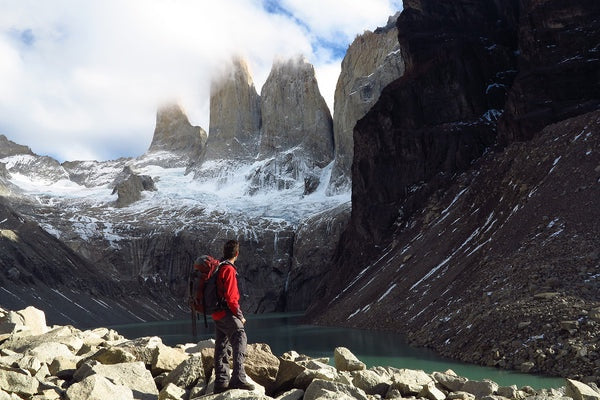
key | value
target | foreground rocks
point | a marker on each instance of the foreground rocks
(62, 362)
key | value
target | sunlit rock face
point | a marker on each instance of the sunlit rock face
(372, 61)
(235, 116)
(174, 133)
(297, 134)
(294, 113)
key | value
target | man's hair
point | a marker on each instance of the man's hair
(231, 249)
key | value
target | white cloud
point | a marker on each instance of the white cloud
(84, 79)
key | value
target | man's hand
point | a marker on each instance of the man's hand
(243, 321)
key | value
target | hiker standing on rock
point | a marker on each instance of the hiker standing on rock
(229, 325)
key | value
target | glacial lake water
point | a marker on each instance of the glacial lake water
(284, 332)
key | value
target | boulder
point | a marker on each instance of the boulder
(371, 382)
(135, 376)
(171, 392)
(261, 364)
(165, 358)
(315, 370)
(580, 391)
(431, 392)
(460, 396)
(113, 355)
(63, 367)
(34, 320)
(346, 361)
(321, 390)
(29, 321)
(187, 374)
(508, 391)
(480, 388)
(142, 348)
(129, 187)
(449, 380)
(97, 387)
(50, 351)
(294, 394)
(290, 366)
(409, 382)
(18, 381)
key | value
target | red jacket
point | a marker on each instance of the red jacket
(227, 287)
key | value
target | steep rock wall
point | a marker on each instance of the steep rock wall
(372, 61)
(235, 117)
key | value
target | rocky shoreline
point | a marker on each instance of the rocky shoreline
(38, 362)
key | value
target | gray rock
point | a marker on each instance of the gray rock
(431, 392)
(135, 376)
(171, 392)
(142, 348)
(261, 364)
(460, 396)
(409, 382)
(321, 390)
(480, 388)
(165, 358)
(346, 361)
(294, 394)
(449, 380)
(113, 355)
(18, 381)
(508, 391)
(315, 370)
(371, 382)
(97, 387)
(580, 391)
(129, 187)
(187, 374)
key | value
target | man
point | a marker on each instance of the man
(229, 325)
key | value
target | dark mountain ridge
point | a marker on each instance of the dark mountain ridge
(474, 226)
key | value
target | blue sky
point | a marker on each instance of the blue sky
(83, 79)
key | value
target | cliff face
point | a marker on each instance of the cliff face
(175, 134)
(434, 120)
(462, 236)
(559, 66)
(372, 61)
(38, 269)
(294, 114)
(235, 116)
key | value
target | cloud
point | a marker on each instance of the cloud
(84, 79)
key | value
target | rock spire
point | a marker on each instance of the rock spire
(294, 112)
(174, 133)
(235, 116)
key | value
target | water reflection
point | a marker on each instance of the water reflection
(284, 332)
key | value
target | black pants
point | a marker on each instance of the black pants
(229, 330)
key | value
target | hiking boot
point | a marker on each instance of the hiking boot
(241, 385)
(220, 389)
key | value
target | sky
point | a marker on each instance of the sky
(82, 79)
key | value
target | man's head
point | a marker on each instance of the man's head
(231, 250)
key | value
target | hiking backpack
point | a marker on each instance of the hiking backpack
(203, 292)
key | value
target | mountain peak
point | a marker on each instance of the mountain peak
(174, 133)
(234, 114)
